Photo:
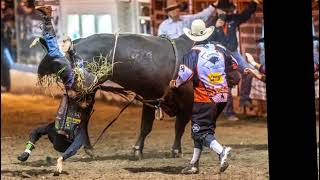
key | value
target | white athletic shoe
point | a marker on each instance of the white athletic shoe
(223, 158)
(191, 168)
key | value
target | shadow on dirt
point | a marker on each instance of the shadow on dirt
(249, 146)
(39, 163)
(244, 120)
(162, 155)
(165, 169)
(31, 173)
(153, 155)
(148, 155)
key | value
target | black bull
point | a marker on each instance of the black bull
(144, 65)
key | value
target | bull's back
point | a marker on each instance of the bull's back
(144, 64)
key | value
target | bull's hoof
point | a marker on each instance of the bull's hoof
(176, 153)
(137, 153)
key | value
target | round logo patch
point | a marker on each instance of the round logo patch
(215, 78)
(195, 128)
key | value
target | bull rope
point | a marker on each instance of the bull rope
(114, 49)
(114, 119)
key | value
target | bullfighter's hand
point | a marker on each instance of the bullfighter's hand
(172, 84)
(59, 164)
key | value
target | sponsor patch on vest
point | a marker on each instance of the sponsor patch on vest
(73, 120)
(215, 78)
(195, 128)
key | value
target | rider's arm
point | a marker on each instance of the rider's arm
(76, 144)
(187, 68)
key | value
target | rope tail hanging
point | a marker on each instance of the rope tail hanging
(125, 107)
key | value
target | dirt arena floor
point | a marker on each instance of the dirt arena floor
(21, 113)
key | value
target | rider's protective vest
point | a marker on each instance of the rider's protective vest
(209, 71)
(69, 116)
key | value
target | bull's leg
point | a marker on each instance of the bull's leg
(181, 122)
(145, 129)
(88, 148)
(184, 111)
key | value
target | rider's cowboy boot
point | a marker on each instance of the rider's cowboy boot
(46, 13)
(25, 155)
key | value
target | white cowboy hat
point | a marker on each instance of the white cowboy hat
(198, 31)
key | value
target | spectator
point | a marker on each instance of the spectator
(173, 26)
(27, 25)
(260, 74)
(226, 33)
(316, 66)
(316, 57)
(261, 46)
(7, 43)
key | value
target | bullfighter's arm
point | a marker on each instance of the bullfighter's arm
(231, 66)
(187, 68)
